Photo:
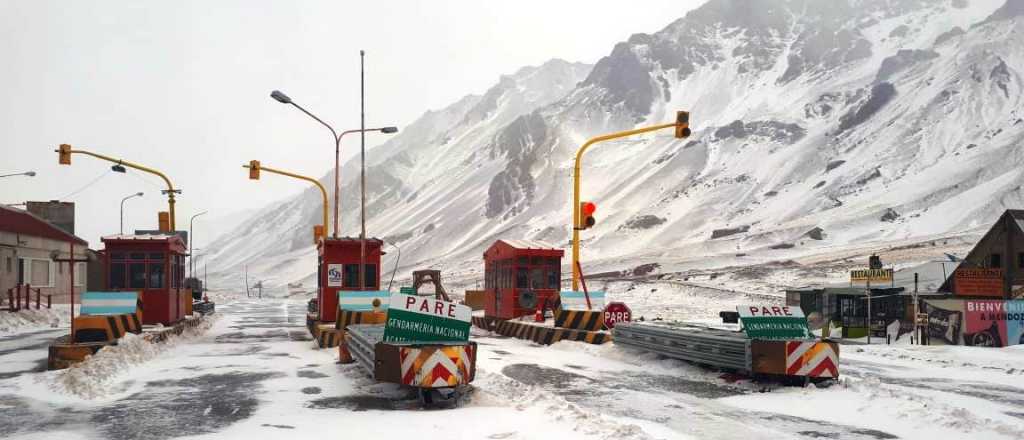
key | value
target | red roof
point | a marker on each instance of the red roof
(22, 222)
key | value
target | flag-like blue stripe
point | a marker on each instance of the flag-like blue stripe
(108, 310)
(110, 295)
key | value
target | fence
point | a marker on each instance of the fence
(20, 297)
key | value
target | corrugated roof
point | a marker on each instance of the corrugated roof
(23, 222)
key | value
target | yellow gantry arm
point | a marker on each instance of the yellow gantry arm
(681, 125)
(254, 173)
(65, 159)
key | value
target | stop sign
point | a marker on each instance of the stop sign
(616, 312)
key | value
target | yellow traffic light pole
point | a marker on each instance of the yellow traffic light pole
(682, 126)
(254, 174)
(65, 151)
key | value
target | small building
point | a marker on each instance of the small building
(338, 270)
(29, 249)
(518, 273)
(1002, 248)
(154, 266)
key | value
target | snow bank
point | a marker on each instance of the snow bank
(92, 378)
(13, 322)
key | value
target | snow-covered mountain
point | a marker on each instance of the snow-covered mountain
(854, 120)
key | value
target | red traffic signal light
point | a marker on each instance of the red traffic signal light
(254, 169)
(587, 215)
(682, 125)
(65, 154)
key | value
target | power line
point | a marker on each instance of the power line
(87, 185)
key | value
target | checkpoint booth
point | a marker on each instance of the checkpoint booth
(519, 277)
(338, 270)
(154, 266)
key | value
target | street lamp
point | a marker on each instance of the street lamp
(284, 99)
(190, 240)
(138, 194)
(27, 174)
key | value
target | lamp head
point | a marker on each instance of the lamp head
(280, 97)
(389, 130)
(30, 174)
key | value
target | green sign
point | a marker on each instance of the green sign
(774, 322)
(406, 291)
(424, 319)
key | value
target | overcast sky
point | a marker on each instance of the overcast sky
(183, 87)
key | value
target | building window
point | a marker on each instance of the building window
(9, 265)
(1020, 261)
(39, 272)
(996, 261)
(80, 273)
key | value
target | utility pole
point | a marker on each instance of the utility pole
(869, 307)
(362, 175)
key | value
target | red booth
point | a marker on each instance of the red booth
(520, 275)
(154, 266)
(339, 270)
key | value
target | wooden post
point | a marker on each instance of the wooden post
(10, 299)
(49, 300)
(38, 298)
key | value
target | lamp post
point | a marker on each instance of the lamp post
(190, 240)
(138, 194)
(27, 174)
(284, 99)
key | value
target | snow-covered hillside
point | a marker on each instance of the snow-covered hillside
(862, 120)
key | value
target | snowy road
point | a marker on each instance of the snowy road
(255, 374)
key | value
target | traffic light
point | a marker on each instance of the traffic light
(65, 154)
(254, 169)
(587, 215)
(318, 233)
(682, 125)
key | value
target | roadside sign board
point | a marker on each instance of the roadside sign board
(425, 319)
(978, 282)
(871, 275)
(616, 312)
(406, 290)
(774, 322)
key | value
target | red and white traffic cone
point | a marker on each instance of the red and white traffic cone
(344, 356)
(539, 316)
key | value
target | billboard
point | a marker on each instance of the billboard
(982, 323)
(978, 282)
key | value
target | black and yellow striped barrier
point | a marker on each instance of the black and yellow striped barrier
(349, 317)
(542, 334)
(587, 320)
(107, 328)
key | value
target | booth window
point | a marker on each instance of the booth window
(137, 275)
(522, 281)
(1020, 261)
(117, 274)
(371, 276)
(156, 275)
(350, 276)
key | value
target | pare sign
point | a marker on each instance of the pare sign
(769, 311)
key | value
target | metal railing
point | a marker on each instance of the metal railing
(20, 297)
(702, 345)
